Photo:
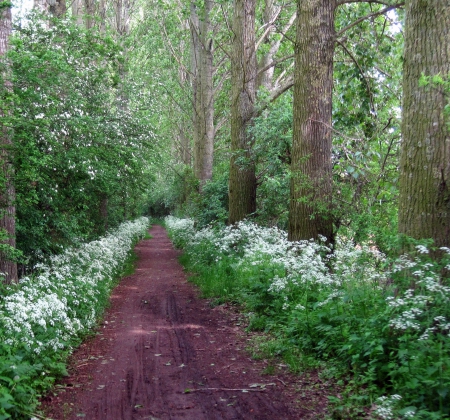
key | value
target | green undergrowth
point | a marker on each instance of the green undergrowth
(46, 316)
(377, 326)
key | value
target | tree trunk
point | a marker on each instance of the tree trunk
(202, 66)
(242, 184)
(424, 202)
(58, 8)
(195, 81)
(265, 78)
(77, 11)
(8, 267)
(90, 12)
(311, 177)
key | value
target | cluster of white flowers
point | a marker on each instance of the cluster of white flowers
(414, 305)
(311, 264)
(184, 228)
(386, 406)
(54, 305)
(302, 262)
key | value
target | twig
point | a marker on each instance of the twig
(188, 391)
(278, 379)
(333, 129)
(371, 15)
(361, 72)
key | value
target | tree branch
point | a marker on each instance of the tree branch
(386, 3)
(375, 14)
(274, 63)
(268, 29)
(275, 94)
(283, 73)
(361, 71)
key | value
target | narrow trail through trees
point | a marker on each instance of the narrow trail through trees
(163, 353)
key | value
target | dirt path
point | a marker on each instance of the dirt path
(157, 341)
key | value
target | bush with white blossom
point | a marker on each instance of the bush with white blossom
(388, 321)
(43, 316)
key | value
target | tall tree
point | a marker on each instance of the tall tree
(310, 213)
(424, 203)
(311, 181)
(202, 84)
(242, 183)
(8, 267)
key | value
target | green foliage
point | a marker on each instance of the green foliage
(211, 205)
(45, 316)
(80, 150)
(272, 133)
(366, 125)
(381, 325)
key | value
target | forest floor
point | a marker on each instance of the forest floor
(161, 352)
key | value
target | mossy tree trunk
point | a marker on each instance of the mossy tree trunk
(242, 184)
(311, 178)
(424, 203)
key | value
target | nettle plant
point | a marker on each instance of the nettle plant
(44, 316)
(384, 322)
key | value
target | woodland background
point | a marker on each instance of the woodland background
(324, 118)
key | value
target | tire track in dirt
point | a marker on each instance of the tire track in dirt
(158, 340)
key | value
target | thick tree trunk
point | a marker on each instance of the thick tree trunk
(202, 66)
(58, 8)
(311, 178)
(8, 268)
(424, 203)
(242, 184)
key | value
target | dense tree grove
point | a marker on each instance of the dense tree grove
(325, 118)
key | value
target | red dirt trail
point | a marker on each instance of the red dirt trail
(157, 341)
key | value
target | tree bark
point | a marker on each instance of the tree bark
(424, 202)
(78, 11)
(311, 177)
(89, 6)
(8, 267)
(202, 66)
(242, 184)
(58, 8)
(265, 78)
